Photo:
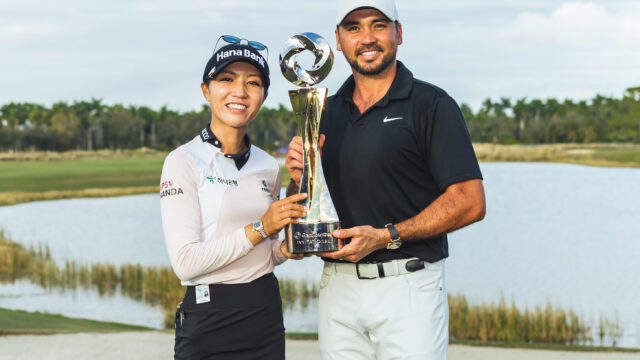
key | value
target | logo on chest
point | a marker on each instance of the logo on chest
(388, 119)
(222, 181)
(264, 186)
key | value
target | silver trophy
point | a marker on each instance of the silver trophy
(313, 232)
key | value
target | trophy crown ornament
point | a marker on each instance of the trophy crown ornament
(321, 67)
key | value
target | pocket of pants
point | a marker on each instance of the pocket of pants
(192, 320)
(428, 279)
(176, 320)
(327, 274)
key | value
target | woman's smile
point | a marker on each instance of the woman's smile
(236, 106)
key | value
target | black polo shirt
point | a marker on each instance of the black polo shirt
(390, 163)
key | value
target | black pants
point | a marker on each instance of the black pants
(242, 321)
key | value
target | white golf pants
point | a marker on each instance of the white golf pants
(394, 317)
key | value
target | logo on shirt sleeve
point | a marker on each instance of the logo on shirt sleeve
(167, 188)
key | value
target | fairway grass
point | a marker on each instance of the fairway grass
(18, 322)
(37, 180)
(610, 155)
(81, 177)
(80, 174)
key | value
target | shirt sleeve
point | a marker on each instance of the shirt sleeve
(276, 255)
(450, 155)
(192, 256)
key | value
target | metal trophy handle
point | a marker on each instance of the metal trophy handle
(313, 232)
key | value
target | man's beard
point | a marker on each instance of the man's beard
(387, 60)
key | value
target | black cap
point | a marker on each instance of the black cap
(232, 53)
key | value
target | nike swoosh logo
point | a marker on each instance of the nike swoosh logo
(386, 119)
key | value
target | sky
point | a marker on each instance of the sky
(153, 53)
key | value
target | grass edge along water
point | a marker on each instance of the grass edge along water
(20, 322)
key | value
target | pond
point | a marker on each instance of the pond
(558, 233)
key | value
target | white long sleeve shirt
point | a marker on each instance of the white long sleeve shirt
(206, 200)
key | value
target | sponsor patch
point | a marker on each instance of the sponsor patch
(264, 186)
(204, 134)
(246, 53)
(167, 189)
(170, 192)
(166, 184)
(218, 180)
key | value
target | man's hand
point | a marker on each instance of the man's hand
(364, 240)
(293, 161)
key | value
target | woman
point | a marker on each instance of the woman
(221, 216)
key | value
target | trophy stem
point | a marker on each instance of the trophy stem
(308, 104)
(313, 232)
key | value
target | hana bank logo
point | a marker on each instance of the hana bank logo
(218, 180)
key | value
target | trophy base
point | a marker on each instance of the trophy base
(308, 237)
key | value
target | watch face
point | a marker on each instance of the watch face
(394, 245)
(259, 228)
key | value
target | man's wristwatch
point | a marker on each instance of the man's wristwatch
(395, 237)
(259, 228)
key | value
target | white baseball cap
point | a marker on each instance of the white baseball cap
(387, 7)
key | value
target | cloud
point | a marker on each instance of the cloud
(580, 25)
(13, 32)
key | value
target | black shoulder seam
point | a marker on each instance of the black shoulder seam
(438, 90)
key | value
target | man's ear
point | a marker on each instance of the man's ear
(399, 33)
(338, 39)
(205, 91)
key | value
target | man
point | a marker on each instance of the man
(402, 174)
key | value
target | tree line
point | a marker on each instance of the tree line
(93, 125)
(601, 119)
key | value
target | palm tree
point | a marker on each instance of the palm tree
(520, 113)
(95, 132)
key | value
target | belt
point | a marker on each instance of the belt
(381, 269)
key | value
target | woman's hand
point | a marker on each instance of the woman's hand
(288, 255)
(282, 213)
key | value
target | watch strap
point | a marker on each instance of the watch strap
(394, 233)
(259, 228)
(395, 242)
